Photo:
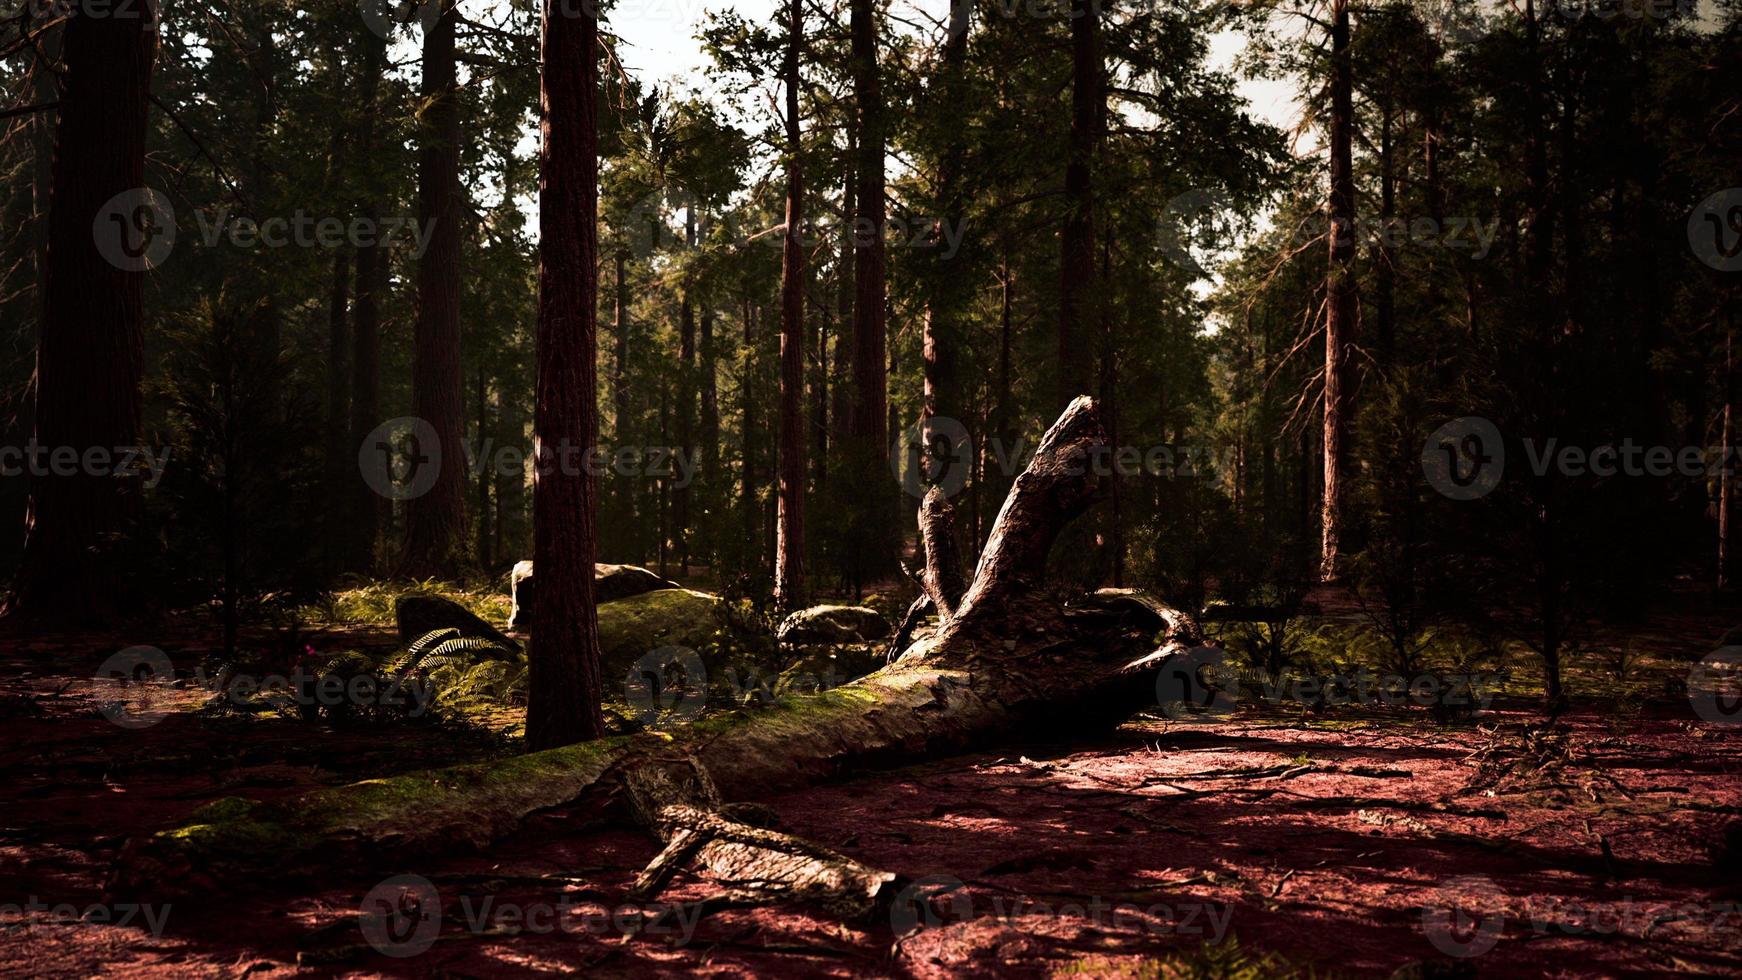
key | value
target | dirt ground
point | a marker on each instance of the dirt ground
(1353, 841)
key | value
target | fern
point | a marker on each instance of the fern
(444, 645)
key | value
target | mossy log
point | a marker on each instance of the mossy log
(1011, 659)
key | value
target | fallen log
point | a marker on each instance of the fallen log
(1010, 659)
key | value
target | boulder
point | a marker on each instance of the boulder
(420, 615)
(610, 584)
(631, 628)
(833, 624)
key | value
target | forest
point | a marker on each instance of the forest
(870, 488)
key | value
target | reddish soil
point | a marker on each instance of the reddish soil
(1342, 843)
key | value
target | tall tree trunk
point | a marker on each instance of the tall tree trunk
(820, 405)
(563, 705)
(45, 85)
(1004, 408)
(1109, 384)
(940, 336)
(90, 351)
(1539, 243)
(1386, 273)
(873, 549)
(1340, 301)
(1077, 241)
(748, 491)
(485, 472)
(435, 521)
(1726, 473)
(845, 283)
(708, 446)
(664, 522)
(512, 539)
(341, 456)
(372, 274)
(620, 362)
(686, 402)
(789, 584)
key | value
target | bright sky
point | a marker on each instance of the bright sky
(662, 45)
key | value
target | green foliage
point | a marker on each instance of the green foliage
(372, 603)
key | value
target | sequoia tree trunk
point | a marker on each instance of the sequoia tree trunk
(435, 521)
(940, 338)
(620, 363)
(872, 545)
(686, 403)
(341, 459)
(90, 352)
(372, 283)
(1340, 298)
(563, 704)
(1077, 242)
(789, 582)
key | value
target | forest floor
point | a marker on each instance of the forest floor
(1352, 841)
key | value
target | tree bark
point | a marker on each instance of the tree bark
(749, 492)
(939, 335)
(372, 283)
(842, 362)
(620, 363)
(686, 402)
(709, 448)
(485, 537)
(563, 655)
(1386, 273)
(90, 351)
(1009, 657)
(512, 538)
(789, 584)
(940, 582)
(1077, 242)
(341, 457)
(1340, 301)
(872, 549)
(1726, 473)
(435, 521)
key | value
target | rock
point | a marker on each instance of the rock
(420, 615)
(631, 628)
(833, 624)
(610, 584)
(520, 586)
